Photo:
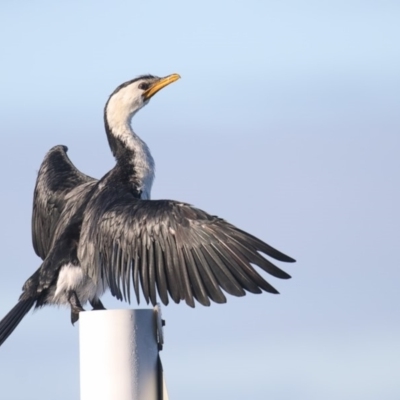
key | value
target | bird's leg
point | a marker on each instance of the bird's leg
(97, 304)
(76, 306)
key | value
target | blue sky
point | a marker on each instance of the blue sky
(285, 123)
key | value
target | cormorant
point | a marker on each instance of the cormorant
(94, 235)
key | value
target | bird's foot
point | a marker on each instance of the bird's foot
(76, 306)
(97, 304)
(74, 317)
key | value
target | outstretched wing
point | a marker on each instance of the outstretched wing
(173, 248)
(56, 179)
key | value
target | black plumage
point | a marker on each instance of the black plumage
(60, 196)
(58, 186)
(172, 248)
(107, 234)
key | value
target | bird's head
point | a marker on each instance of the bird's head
(131, 96)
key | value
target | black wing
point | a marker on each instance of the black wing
(57, 178)
(172, 248)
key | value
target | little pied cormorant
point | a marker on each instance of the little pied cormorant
(94, 235)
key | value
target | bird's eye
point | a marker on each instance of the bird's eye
(144, 86)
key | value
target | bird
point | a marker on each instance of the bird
(108, 234)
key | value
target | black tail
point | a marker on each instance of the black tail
(14, 317)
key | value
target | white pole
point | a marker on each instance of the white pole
(119, 355)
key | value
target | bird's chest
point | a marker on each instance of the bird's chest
(144, 172)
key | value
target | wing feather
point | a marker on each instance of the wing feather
(125, 283)
(210, 282)
(57, 180)
(199, 290)
(183, 280)
(228, 282)
(171, 249)
(135, 275)
(162, 285)
(174, 280)
(144, 271)
(152, 272)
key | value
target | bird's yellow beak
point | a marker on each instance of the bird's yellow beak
(153, 89)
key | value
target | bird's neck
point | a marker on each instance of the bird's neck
(135, 165)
